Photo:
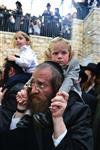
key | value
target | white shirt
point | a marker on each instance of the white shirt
(27, 60)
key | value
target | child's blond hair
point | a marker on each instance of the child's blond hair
(24, 35)
(56, 40)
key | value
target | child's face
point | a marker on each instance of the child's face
(60, 53)
(20, 41)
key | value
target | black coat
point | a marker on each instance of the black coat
(96, 126)
(33, 136)
(9, 103)
(91, 101)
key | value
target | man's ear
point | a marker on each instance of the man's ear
(11, 72)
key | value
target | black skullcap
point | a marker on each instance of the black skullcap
(57, 66)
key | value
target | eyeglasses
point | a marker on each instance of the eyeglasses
(38, 84)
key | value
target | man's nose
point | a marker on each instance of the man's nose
(35, 89)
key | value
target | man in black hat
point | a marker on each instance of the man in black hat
(18, 3)
(18, 15)
(13, 80)
(89, 85)
(88, 98)
(47, 21)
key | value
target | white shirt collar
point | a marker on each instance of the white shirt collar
(25, 47)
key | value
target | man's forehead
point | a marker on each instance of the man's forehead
(42, 72)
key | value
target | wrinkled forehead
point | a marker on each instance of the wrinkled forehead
(42, 73)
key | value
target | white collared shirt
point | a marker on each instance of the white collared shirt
(27, 60)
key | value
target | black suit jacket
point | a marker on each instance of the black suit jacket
(33, 136)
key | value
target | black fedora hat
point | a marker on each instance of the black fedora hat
(48, 5)
(19, 4)
(83, 76)
(91, 67)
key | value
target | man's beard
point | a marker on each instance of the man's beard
(38, 105)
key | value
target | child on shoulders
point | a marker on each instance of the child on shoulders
(61, 52)
(27, 58)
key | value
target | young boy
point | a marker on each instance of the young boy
(27, 58)
(61, 52)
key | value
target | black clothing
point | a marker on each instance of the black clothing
(18, 14)
(98, 3)
(91, 101)
(31, 135)
(46, 28)
(82, 9)
(9, 103)
(96, 126)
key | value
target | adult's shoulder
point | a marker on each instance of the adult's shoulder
(76, 101)
(76, 110)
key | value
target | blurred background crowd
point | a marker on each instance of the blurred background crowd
(49, 23)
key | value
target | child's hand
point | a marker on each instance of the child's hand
(64, 94)
(22, 99)
(11, 58)
(59, 104)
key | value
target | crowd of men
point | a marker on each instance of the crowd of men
(47, 24)
(36, 111)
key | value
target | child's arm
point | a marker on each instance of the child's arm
(11, 58)
(71, 76)
(27, 60)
